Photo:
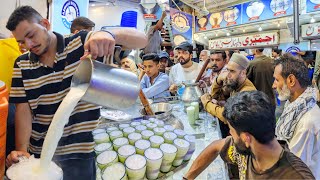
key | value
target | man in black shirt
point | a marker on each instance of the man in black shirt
(253, 146)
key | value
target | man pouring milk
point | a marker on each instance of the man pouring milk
(42, 78)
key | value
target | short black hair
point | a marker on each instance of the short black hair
(151, 56)
(251, 112)
(223, 53)
(276, 50)
(81, 23)
(20, 14)
(154, 23)
(260, 49)
(296, 67)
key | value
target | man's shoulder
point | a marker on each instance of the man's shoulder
(163, 75)
(176, 66)
(310, 120)
(248, 86)
(261, 60)
(298, 168)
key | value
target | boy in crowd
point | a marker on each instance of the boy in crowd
(154, 84)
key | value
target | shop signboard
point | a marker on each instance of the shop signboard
(65, 11)
(310, 31)
(181, 26)
(256, 10)
(313, 5)
(259, 10)
(246, 41)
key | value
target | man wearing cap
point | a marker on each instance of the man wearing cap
(235, 79)
(186, 69)
(164, 62)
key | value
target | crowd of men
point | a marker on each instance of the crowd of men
(240, 93)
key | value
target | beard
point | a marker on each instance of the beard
(185, 61)
(232, 84)
(47, 41)
(242, 149)
(215, 68)
(284, 93)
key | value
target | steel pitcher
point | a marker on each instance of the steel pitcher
(106, 85)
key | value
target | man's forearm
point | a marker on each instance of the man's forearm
(23, 126)
(130, 38)
(206, 157)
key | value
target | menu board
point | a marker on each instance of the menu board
(229, 17)
(181, 26)
(313, 5)
(252, 40)
(232, 16)
(257, 10)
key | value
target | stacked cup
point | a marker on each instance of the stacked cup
(183, 147)
(154, 159)
(169, 154)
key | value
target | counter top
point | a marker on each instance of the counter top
(206, 130)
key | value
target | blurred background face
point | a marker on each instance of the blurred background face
(151, 68)
(216, 62)
(274, 54)
(183, 56)
(125, 63)
(175, 56)
(163, 64)
(203, 56)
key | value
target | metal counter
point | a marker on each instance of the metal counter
(206, 130)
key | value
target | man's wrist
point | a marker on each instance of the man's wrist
(112, 34)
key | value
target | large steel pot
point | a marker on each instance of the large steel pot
(106, 85)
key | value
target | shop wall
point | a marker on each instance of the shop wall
(111, 15)
(8, 7)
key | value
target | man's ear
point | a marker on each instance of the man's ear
(45, 23)
(76, 31)
(246, 138)
(291, 80)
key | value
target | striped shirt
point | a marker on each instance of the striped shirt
(44, 88)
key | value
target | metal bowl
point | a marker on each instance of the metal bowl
(161, 110)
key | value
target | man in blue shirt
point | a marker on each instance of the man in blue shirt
(154, 84)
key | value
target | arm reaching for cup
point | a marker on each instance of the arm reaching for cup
(206, 157)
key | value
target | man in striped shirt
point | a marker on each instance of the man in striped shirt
(42, 78)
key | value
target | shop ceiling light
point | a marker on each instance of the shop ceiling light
(205, 37)
(244, 30)
(260, 28)
(93, 4)
(216, 34)
(312, 20)
(278, 24)
(228, 34)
